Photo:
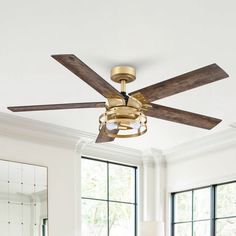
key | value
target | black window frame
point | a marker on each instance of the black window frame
(213, 207)
(44, 226)
(135, 204)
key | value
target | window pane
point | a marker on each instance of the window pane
(226, 227)
(226, 200)
(201, 204)
(183, 206)
(94, 215)
(121, 220)
(184, 229)
(201, 228)
(94, 179)
(121, 183)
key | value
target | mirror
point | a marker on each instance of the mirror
(23, 199)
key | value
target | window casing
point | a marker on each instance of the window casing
(206, 211)
(109, 198)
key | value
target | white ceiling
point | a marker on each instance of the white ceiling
(161, 38)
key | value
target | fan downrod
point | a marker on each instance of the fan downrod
(123, 75)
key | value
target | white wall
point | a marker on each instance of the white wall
(203, 162)
(59, 149)
(214, 167)
(60, 163)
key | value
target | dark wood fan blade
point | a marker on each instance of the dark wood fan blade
(103, 138)
(180, 116)
(57, 106)
(75, 65)
(180, 83)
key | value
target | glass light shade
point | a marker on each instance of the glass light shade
(152, 228)
(111, 126)
(129, 122)
(135, 125)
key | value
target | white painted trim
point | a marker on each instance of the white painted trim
(41, 132)
(82, 143)
(203, 183)
(233, 125)
(154, 170)
(46, 133)
(77, 183)
(113, 153)
(200, 147)
(155, 160)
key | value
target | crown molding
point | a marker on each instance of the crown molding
(202, 146)
(45, 133)
(41, 132)
(113, 152)
(233, 125)
(153, 156)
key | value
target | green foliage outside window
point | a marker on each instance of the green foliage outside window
(108, 198)
(208, 211)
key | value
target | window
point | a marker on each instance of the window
(44, 227)
(207, 211)
(109, 205)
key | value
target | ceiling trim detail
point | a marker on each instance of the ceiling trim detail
(198, 148)
(41, 132)
(45, 133)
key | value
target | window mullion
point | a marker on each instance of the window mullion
(172, 214)
(192, 209)
(213, 210)
(108, 203)
(107, 195)
(214, 195)
(135, 202)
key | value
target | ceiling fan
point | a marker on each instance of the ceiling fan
(125, 114)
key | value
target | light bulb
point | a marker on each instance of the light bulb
(111, 126)
(135, 125)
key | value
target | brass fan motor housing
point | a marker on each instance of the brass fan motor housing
(125, 73)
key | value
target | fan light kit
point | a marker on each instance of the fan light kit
(126, 114)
